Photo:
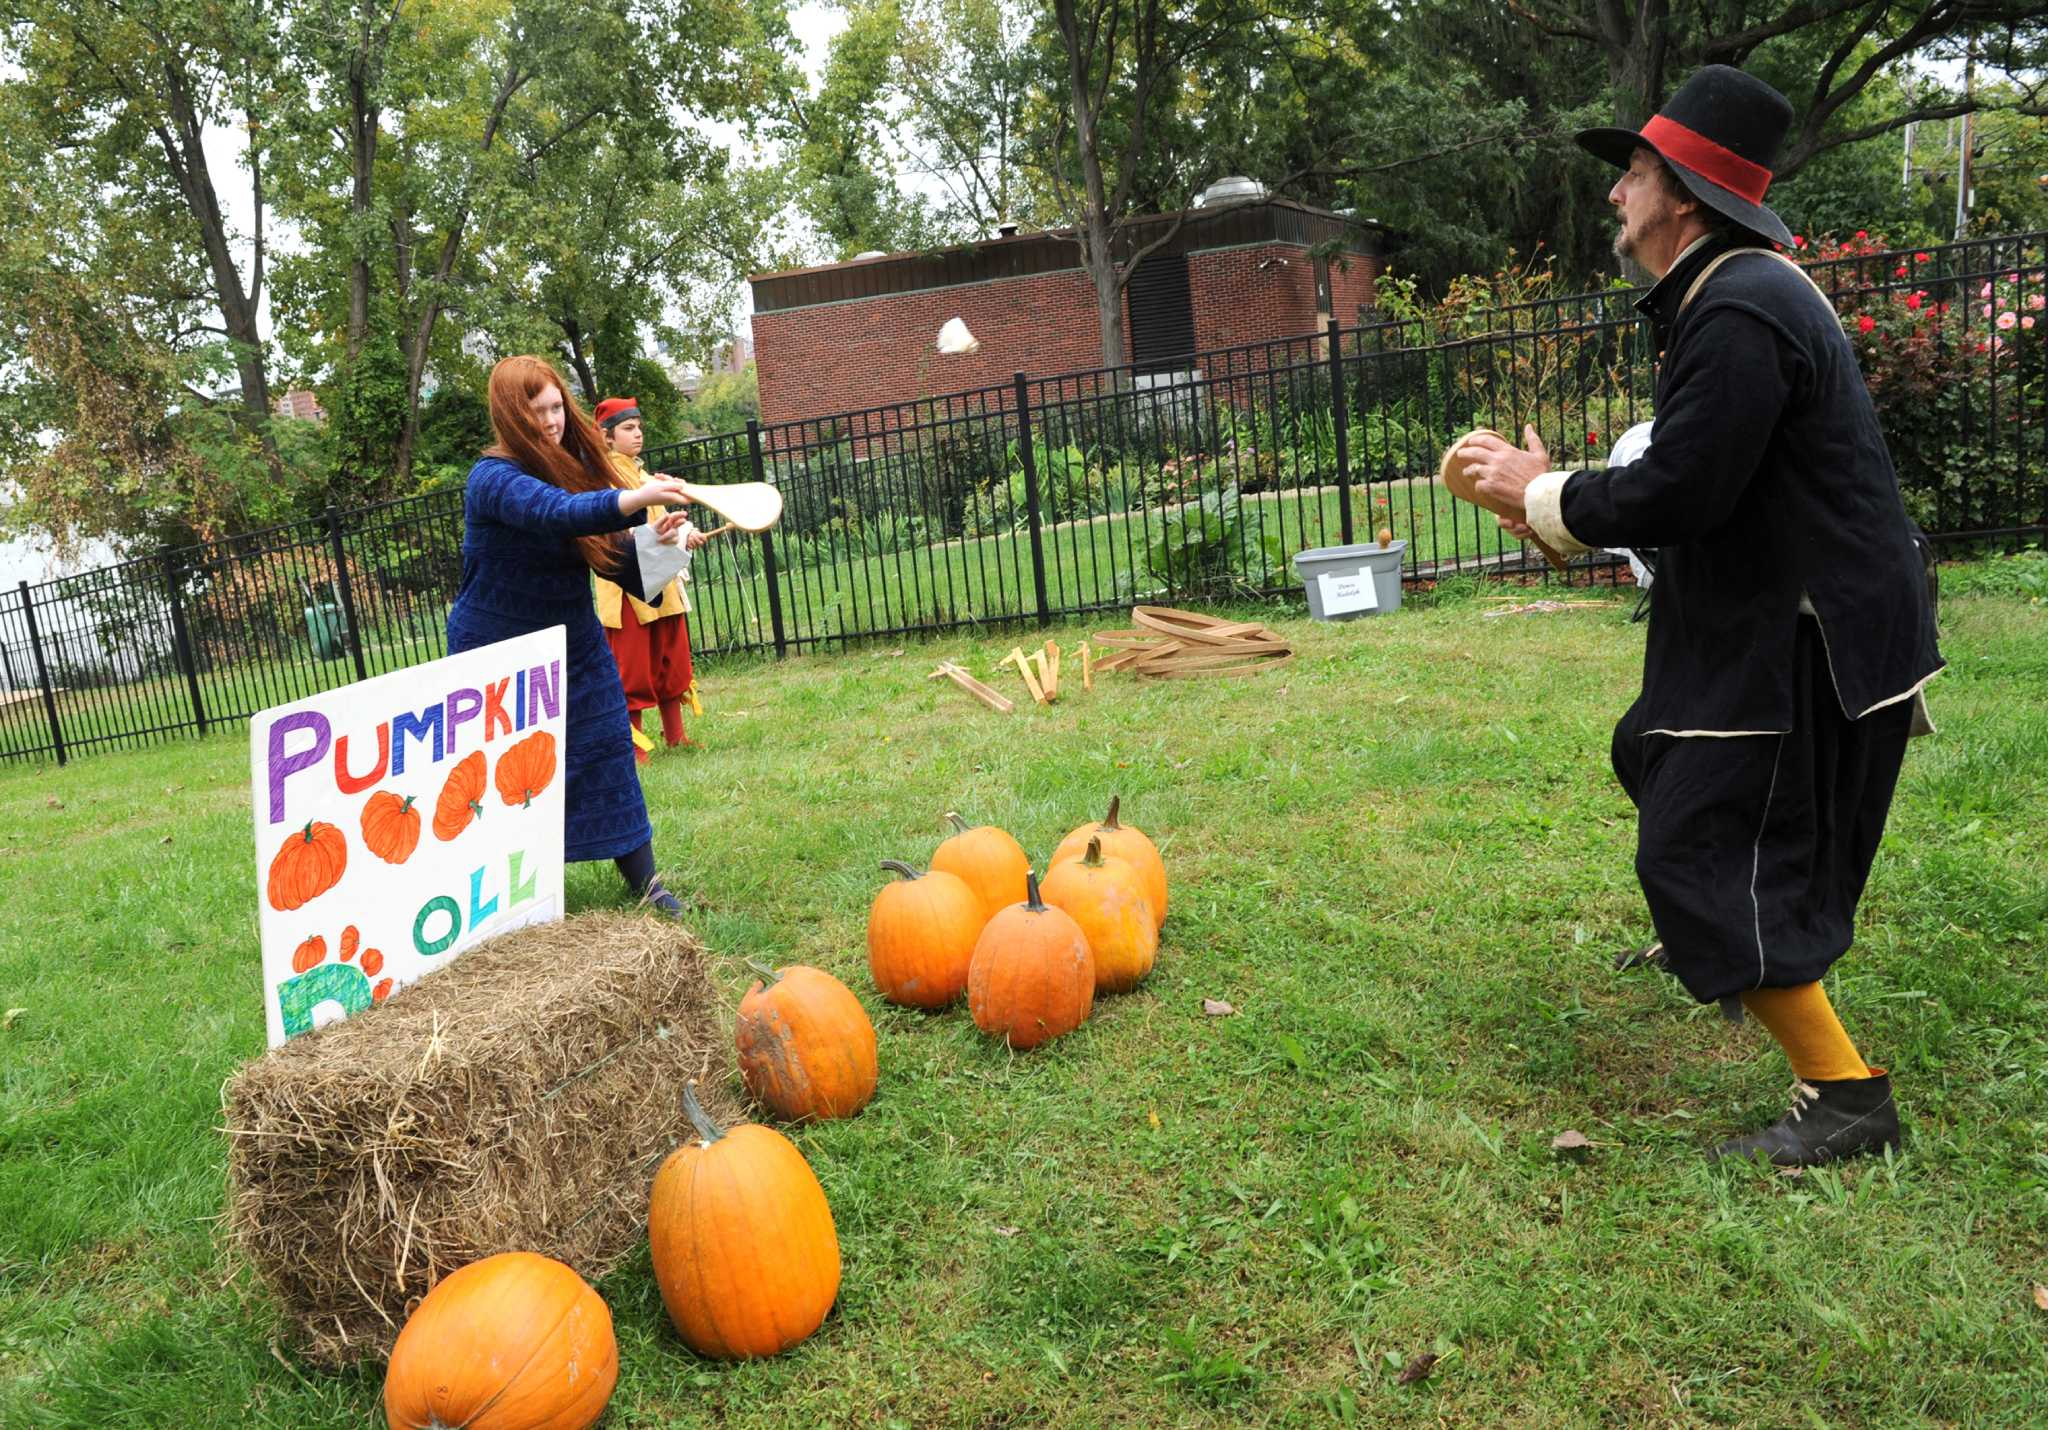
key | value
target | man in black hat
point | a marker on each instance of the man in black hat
(1790, 626)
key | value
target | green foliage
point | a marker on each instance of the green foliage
(1208, 548)
(723, 402)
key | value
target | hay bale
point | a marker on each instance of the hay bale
(519, 1099)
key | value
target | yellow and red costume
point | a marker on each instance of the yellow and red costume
(650, 642)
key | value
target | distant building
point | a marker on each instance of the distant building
(300, 405)
(1242, 268)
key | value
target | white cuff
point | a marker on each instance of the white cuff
(1544, 501)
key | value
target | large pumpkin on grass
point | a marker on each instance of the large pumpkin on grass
(1121, 841)
(461, 798)
(744, 1248)
(921, 933)
(1105, 898)
(806, 1046)
(988, 860)
(516, 1341)
(1032, 978)
(309, 863)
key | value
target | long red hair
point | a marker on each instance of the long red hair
(577, 463)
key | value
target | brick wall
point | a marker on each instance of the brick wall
(865, 352)
(829, 358)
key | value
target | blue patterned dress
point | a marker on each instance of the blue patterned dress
(522, 572)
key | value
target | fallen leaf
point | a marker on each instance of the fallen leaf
(1152, 1116)
(1007, 1230)
(2040, 1291)
(53, 803)
(13, 1013)
(1417, 1369)
(1570, 1140)
(1217, 1008)
(165, 840)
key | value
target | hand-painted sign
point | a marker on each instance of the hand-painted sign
(401, 819)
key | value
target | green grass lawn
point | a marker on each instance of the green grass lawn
(1404, 863)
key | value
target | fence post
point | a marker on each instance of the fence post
(1031, 500)
(348, 594)
(1340, 417)
(767, 544)
(181, 638)
(35, 643)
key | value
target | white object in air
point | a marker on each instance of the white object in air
(751, 506)
(954, 338)
(1632, 446)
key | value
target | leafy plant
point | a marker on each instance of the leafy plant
(1210, 547)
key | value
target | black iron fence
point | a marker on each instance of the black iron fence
(1058, 495)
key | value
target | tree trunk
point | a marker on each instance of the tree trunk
(239, 306)
(578, 360)
(1094, 226)
(364, 122)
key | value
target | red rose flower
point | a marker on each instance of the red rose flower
(1865, 323)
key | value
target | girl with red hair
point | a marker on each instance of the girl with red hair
(540, 514)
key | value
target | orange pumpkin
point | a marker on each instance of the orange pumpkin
(807, 1049)
(921, 933)
(1107, 901)
(516, 1341)
(391, 826)
(525, 769)
(461, 797)
(309, 953)
(1121, 841)
(310, 863)
(744, 1248)
(1032, 978)
(987, 860)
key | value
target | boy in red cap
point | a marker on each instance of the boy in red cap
(651, 642)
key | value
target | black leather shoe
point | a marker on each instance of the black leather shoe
(662, 901)
(1828, 1121)
(1651, 956)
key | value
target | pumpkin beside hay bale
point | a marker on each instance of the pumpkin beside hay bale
(520, 1099)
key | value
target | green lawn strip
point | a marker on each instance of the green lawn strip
(1404, 863)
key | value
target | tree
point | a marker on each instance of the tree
(135, 86)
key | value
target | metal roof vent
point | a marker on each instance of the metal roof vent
(1006, 230)
(1235, 189)
(870, 253)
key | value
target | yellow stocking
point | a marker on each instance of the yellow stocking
(1805, 1025)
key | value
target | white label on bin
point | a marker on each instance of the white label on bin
(1345, 594)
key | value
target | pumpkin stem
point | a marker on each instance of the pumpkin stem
(1109, 820)
(476, 808)
(403, 808)
(960, 826)
(769, 976)
(897, 866)
(1031, 899)
(1093, 858)
(708, 1130)
(307, 833)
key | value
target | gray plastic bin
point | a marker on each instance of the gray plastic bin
(1343, 597)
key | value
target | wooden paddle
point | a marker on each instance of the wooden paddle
(751, 506)
(1458, 477)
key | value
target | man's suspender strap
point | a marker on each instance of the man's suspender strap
(1708, 272)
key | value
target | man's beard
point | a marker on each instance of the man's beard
(1629, 245)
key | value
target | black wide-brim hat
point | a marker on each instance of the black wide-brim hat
(1720, 134)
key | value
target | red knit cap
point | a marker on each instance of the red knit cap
(614, 410)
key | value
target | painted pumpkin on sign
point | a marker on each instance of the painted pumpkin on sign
(921, 933)
(525, 769)
(391, 827)
(1033, 977)
(744, 1248)
(516, 1341)
(806, 1046)
(986, 859)
(1126, 842)
(461, 797)
(1105, 898)
(310, 863)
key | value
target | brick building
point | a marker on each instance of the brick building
(846, 336)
